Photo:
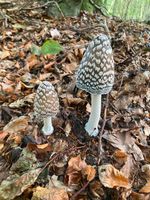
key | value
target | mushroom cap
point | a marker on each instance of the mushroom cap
(96, 71)
(46, 102)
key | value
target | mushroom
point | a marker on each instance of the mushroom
(46, 106)
(96, 76)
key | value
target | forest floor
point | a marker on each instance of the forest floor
(69, 164)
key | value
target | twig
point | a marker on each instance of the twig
(100, 148)
(79, 191)
(61, 153)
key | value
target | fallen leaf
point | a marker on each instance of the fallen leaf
(77, 163)
(18, 183)
(120, 156)
(112, 177)
(55, 33)
(7, 88)
(3, 134)
(138, 196)
(78, 168)
(49, 194)
(4, 54)
(70, 68)
(90, 172)
(41, 149)
(54, 182)
(125, 142)
(26, 161)
(17, 125)
(145, 188)
(96, 188)
(29, 99)
(129, 167)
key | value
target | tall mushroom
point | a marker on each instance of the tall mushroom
(96, 76)
(46, 106)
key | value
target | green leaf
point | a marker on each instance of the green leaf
(35, 50)
(51, 47)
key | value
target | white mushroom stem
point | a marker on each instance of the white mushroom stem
(92, 125)
(48, 127)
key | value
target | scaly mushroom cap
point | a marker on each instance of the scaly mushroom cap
(96, 71)
(46, 101)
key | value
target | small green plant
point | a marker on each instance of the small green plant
(48, 47)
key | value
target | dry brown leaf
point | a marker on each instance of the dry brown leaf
(40, 149)
(22, 102)
(49, 194)
(90, 172)
(77, 163)
(69, 68)
(112, 177)
(137, 196)
(60, 145)
(96, 188)
(4, 54)
(129, 167)
(78, 168)
(120, 156)
(145, 188)
(17, 125)
(3, 134)
(32, 61)
(8, 88)
(124, 141)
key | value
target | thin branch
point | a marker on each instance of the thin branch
(100, 148)
(79, 192)
(61, 153)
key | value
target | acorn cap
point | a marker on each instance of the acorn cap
(46, 101)
(96, 71)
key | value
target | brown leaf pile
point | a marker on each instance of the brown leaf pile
(64, 165)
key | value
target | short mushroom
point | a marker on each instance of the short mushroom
(96, 76)
(46, 106)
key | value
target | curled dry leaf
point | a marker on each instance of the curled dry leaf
(41, 148)
(17, 125)
(112, 177)
(78, 168)
(125, 142)
(50, 194)
(76, 163)
(22, 102)
(90, 172)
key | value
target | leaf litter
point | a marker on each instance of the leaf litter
(65, 165)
